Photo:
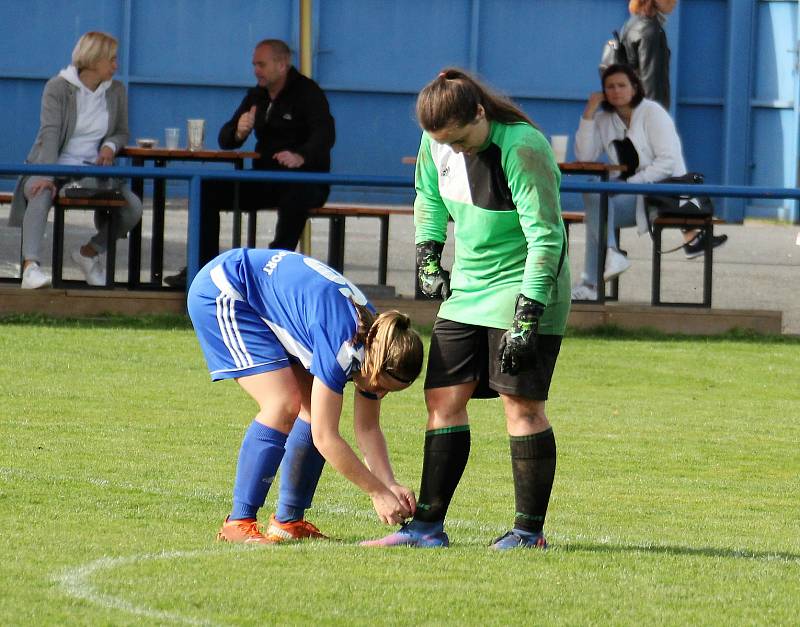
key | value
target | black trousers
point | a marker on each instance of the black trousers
(292, 201)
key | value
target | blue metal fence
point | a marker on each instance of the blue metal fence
(195, 176)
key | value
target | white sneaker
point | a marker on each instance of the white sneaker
(91, 267)
(33, 278)
(616, 264)
(584, 292)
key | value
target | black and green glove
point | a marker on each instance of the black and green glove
(434, 281)
(518, 344)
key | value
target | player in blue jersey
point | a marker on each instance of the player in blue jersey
(292, 332)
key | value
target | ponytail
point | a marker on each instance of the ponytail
(452, 98)
(391, 346)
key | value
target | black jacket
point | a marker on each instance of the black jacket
(645, 44)
(298, 120)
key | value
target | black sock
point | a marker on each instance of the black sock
(446, 454)
(533, 462)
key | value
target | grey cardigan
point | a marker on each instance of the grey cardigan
(57, 124)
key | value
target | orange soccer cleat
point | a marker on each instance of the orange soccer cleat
(246, 530)
(292, 530)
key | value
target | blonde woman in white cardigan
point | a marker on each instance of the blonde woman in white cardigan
(620, 122)
(84, 120)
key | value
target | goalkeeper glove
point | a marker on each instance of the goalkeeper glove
(434, 282)
(518, 344)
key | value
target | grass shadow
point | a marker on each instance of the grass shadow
(680, 551)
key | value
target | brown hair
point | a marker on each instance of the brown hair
(279, 48)
(452, 98)
(91, 48)
(647, 8)
(633, 77)
(390, 345)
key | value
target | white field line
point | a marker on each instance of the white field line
(76, 582)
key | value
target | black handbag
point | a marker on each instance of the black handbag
(93, 188)
(682, 205)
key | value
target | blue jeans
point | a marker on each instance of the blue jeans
(621, 213)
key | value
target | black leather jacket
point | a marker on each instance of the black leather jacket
(645, 43)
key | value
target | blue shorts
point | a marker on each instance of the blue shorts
(236, 342)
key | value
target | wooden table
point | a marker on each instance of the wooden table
(160, 157)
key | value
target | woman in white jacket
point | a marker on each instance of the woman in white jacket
(639, 133)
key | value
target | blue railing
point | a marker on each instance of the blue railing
(195, 176)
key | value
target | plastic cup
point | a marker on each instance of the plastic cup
(559, 144)
(196, 132)
(172, 137)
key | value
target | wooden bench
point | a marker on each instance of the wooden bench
(338, 214)
(667, 222)
(60, 206)
(679, 222)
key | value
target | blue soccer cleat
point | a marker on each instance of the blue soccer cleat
(516, 538)
(408, 536)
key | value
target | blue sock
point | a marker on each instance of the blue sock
(426, 528)
(300, 472)
(259, 458)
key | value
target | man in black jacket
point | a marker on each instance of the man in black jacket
(646, 46)
(294, 130)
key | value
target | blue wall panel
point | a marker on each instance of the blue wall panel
(37, 38)
(389, 46)
(773, 118)
(702, 48)
(187, 58)
(701, 130)
(204, 41)
(22, 98)
(546, 49)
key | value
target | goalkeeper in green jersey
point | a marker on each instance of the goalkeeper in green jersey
(483, 163)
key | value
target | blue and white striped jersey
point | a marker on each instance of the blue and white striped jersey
(303, 301)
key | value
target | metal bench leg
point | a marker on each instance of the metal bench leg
(614, 292)
(708, 263)
(383, 260)
(157, 243)
(251, 228)
(58, 245)
(656, 289)
(135, 256)
(336, 243)
(111, 247)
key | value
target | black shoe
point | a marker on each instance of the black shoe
(176, 280)
(697, 245)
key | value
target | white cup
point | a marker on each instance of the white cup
(196, 132)
(559, 144)
(172, 137)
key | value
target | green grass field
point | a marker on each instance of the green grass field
(677, 498)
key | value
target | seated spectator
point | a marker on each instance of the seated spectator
(294, 131)
(639, 133)
(84, 120)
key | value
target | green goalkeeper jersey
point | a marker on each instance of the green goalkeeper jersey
(509, 235)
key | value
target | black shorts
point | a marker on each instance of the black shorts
(460, 353)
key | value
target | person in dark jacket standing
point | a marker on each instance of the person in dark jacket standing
(645, 44)
(294, 130)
